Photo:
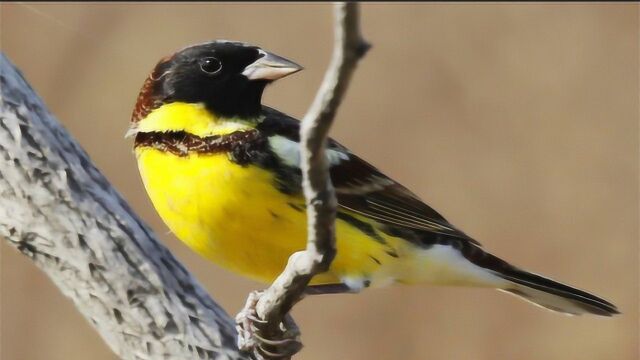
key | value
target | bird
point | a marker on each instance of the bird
(223, 172)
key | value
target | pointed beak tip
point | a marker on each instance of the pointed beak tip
(296, 69)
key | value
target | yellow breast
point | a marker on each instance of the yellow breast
(235, 217)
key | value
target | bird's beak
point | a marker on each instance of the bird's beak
(270, 67)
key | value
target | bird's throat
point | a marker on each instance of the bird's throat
(192, 118)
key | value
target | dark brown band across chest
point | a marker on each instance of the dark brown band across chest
(242, 146)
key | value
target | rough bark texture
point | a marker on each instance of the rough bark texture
(59, 210)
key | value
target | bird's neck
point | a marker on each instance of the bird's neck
(193, 118)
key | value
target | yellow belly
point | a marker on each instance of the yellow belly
(235, 217)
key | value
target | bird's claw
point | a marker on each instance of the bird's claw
(248, 324)
(285, 351)
(245, 321)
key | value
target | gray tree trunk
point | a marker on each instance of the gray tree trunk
(59, 210)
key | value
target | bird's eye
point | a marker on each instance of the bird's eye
(210, 65)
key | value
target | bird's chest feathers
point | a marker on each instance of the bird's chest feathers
(217, 207)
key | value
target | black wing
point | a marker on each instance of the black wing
(364, 190)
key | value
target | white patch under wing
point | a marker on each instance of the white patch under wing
(289, 152)
(444, 265)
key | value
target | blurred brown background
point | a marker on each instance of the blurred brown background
(518, 122)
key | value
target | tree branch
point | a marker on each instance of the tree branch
(59, 210)
(349, 47)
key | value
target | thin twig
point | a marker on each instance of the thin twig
(288, 288)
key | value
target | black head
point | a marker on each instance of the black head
(228, 77)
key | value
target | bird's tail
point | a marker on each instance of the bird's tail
(556, 296)
(544, 291)
(466, 263)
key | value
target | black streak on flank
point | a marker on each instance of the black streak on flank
(288, 179)
(392, 253)
(295, 207)
(365, 228)
(375, 260)
(274, 215)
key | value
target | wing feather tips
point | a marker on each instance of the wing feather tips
(540, 290)
(557, 296)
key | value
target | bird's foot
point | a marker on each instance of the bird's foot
(251, 338)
